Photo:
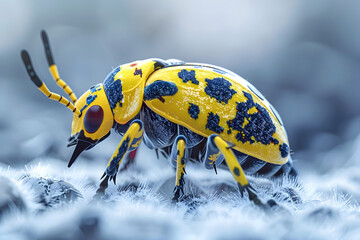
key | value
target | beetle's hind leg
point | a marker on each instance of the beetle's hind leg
(217, 145)
(178, 160)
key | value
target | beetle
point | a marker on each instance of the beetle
(185, 111)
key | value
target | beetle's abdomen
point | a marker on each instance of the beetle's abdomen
(210, 100)
(160, 131)
(257, 167)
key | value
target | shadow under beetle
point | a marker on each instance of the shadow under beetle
(185, 111)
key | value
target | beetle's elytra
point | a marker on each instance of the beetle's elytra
(186, 111)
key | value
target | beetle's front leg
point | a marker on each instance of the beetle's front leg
(178, 158)
(130, 141)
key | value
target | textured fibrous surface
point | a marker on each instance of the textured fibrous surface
(305, 61)
(141, 204)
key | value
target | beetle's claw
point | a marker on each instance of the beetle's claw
(178, 194)
(242, 190)
(254, 197)
(111, 175)
(114, 179)
(103, 176)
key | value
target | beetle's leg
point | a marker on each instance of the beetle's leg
(235, 169)
(178, 158)
(130, 141)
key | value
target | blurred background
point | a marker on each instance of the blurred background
(304, 56)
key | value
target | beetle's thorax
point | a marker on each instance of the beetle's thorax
(124, 88)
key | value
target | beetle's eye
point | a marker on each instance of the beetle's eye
(93, 118)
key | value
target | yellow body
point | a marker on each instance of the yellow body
(175, 108)
(133, 77)
(203, 98)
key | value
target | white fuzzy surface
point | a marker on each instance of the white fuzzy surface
(328, 208)
(302, 55)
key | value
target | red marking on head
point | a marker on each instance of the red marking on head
(133, 64)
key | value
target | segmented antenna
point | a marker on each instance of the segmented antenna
(41, 85)
(53, 69)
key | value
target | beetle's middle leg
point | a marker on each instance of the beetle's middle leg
(180, 154)
(178, 160)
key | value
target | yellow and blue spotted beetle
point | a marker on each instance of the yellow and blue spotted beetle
(186, 111)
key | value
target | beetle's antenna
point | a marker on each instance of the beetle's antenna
(53, 69)
(42, 87)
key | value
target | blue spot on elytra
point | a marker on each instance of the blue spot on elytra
(284, 150)
(194, 111)
(159, 89)
(259, 127)
(113, 89)
(213, 123)
(219, 88)
(188, 76)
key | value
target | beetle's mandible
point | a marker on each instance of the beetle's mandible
(186, 111)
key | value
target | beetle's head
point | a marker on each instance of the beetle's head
(93, 118)
(94, 111)
(94, 122)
